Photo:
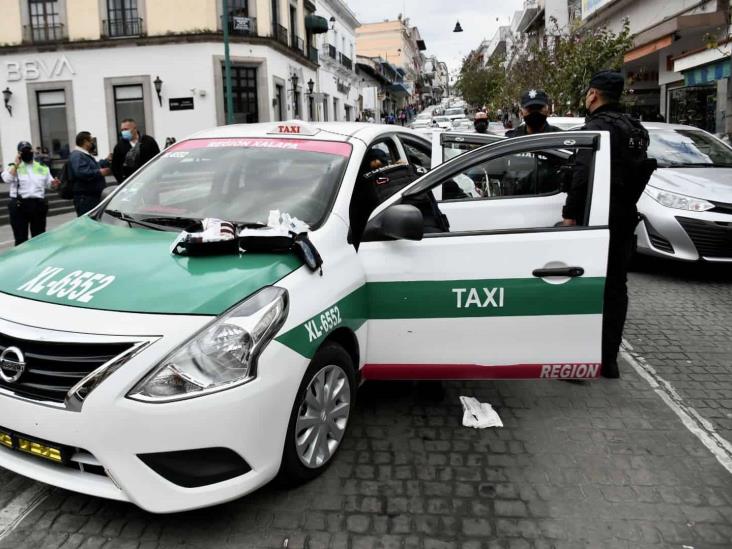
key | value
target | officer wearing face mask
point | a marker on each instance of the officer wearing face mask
(481, 122)
(534, 111)
(28, 180)
(133, 151)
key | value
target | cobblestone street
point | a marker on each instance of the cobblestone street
(599, 464)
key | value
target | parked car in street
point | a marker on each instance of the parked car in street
(205, 328)
(686, 208)
(566, 122)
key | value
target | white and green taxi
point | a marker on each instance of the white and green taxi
(176, 381)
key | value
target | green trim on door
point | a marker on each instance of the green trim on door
(448, 299)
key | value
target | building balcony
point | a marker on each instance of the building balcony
(40, 34)
(281, 35)
(242, 25)
(122, 28)
(298, 44)
(346, 62)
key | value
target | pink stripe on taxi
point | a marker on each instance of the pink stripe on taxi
(305, 145)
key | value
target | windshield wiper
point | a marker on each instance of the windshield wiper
(175, 221)
(131, 220)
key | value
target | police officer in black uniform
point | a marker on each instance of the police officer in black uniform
(534, 110)
(630, 170)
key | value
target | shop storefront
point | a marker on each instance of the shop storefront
(704, 97)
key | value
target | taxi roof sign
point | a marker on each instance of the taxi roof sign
(293, 127)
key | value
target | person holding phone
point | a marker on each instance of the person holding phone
(87, 176)
(28, 180)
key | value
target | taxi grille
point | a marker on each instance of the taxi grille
(711, 238)
(52, 368)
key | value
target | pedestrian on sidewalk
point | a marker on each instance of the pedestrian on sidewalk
(630, 170)
(86, 175)
(133, 151)
(28, 180)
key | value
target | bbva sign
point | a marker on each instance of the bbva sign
(38, 69)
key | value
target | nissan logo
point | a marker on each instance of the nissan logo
(12, 364)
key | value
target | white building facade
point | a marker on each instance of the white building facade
(91, 71)
(338, 91)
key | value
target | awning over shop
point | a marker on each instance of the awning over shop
(708, 73)
(648, 49)
(398, 89)
(316, 24)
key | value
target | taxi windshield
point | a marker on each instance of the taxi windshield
(238, 180)
(688, 149)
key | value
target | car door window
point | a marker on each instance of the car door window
(538, 173)
(418, 154)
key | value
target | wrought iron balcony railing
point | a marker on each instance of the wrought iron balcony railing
(119, 28)
(38, 34)
(280, 34)
(346, 62)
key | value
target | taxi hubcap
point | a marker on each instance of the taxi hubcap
(323, 416)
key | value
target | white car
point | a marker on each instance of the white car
(207, 326)
(453, 113)
(686, 208)
(443, 122)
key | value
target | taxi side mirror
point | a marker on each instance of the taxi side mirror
(397, 222)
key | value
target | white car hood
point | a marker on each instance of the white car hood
(708, 183)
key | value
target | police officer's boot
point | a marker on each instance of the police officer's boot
(610, 369)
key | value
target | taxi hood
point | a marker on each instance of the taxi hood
(93, 265)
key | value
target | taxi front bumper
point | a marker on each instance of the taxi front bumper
(112, 436)
(250, 420)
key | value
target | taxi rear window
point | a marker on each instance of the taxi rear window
(239, 180)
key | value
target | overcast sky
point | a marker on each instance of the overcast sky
(436, 19)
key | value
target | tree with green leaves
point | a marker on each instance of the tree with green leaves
(561, 63)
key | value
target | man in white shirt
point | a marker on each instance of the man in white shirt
(28, 180)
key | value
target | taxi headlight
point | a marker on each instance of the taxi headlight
(222, 355)
(678, 201)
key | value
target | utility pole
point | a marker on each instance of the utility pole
(227, 67)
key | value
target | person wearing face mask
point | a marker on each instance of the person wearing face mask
(534, 111)
(481, 122)
(87, 177)
(133, 151)
(28, 180)
(630, 170)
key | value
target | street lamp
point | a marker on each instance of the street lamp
(332, 22)
(158, 89)
(7, 94)
(311, 86)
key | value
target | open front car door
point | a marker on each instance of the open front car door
(493, 299)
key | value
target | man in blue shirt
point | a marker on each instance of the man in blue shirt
(86, 175)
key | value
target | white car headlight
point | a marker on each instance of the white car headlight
(222, 355)
(678, 201)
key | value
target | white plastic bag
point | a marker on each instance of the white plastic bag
(479, 414)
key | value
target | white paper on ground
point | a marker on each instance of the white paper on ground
(479, 414)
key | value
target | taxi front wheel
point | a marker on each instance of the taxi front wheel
(320, 414)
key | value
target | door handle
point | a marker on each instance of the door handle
(561, 271)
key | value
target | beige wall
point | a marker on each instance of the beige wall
(382, 40)
(264, 19)
(189, 15)
(83, 19)
(11, 29)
